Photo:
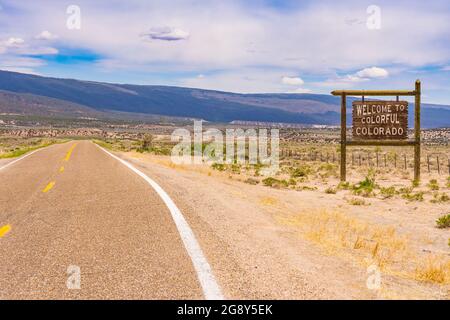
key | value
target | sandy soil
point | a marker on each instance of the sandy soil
(278, 244)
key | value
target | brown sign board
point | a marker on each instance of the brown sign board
(380, 120)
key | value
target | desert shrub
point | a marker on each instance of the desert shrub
(443, 222)
(366, 187)
(218, 166)
(301, 171)
(235, 168)
(330, 190)
(252, 181)
(160, 150)
(440, 197)
(388, 192)
(418, 196)
(433, 184)
(405, 190)
(357, 202)
(344, 185)
(275, 183)
(145, 144)
(326, 170)
(448, 182)
(307, 188)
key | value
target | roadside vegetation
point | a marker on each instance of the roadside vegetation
(16, 147)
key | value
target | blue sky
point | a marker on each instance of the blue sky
(240, 46)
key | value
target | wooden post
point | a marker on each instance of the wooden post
(448, 166)
(438, 165)
(343, 137)
(417, 132)
(428, 162)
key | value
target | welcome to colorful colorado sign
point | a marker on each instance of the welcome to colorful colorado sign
(380, 120)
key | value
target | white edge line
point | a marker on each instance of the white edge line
(17, 160)
(211, 289)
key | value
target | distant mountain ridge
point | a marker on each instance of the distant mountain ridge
(87, 98)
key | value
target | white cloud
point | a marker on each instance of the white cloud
(46, 35)
(349, 80)
(292, 81)
(373, 72)
(167, 34)
(14, 42)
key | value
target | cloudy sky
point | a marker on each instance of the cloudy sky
(240, 46)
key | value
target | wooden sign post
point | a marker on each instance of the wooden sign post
(380, 123)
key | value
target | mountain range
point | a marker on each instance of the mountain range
(26, 94)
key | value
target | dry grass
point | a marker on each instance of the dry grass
(434, 269)
(269, 201)
(337, 233)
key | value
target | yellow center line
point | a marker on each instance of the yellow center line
(4, 230)
(67, 158)
(61, 169)
(49, 187)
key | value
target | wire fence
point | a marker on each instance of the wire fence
(434, 162)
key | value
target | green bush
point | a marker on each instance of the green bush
(344, 185)
(443, 222)
(366, 187)
(439, 198)
(219, 166)
(146, 143)
(302, 171)
(388, 192)
(433, 184)
(418, 196)
(275, 183)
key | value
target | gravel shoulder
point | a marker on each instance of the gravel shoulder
(256, 255)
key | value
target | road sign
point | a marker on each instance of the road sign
(372, 140)
(380, 120)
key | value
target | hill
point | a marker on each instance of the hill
(25, 93)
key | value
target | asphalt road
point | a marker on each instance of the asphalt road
(72, 207)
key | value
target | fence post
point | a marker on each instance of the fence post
(438, 164)
(343, 137)
(417, 132)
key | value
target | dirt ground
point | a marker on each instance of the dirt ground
(265, 242)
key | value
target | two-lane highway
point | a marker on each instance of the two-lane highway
(73, 207)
